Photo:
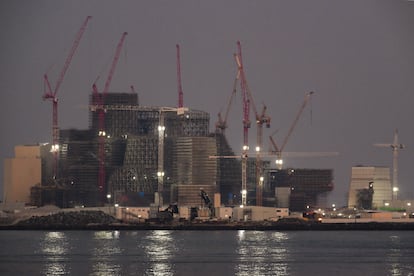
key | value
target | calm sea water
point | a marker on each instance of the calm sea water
(206, 253)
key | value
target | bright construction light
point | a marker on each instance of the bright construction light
(160, 173)
(257, 148)
(161, 128)
(261, 178)
(386, 204)
(245, 147)
(408, 203)
(395, 189)
(54, 148)
(279, 161)
(244, 192)
(241, 206)
(108, 196)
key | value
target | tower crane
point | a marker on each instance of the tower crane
(99, 106)
(51, 94)
(278, 151)
(221, 123)
(246, 121)
(134, 92)
(261, 119)
(179, 86)
(395, 146)
(132, 89)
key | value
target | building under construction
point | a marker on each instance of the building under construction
(162, 155)
(298, 188)
(139, 161)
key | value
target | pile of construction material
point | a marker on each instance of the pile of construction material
(75, 219)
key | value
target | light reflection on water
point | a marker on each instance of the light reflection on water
(262, 253)
(206, 253)
(159, 249)
(54, 246)
(106, 253)
(395, 256)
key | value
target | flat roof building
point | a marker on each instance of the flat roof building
(364, 178)
(298, 188)
(27, 168)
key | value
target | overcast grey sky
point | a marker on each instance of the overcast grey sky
(358, 57)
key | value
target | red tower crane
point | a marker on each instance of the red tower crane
(179, 86)
(99, 106)
(261, 119)
(221, 123)
(50, 94)
(246, 121)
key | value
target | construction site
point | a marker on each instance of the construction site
(137, 155)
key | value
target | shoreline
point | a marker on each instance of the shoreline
(99, 220)
(258, 226)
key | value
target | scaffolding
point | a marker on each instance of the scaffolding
(132, 162)
(78, 166)
(132, 157)
(132, 152)
(192, 167)
(228, 172)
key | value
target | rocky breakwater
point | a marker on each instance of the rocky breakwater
(68, 220)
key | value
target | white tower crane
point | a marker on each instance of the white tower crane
(395, 146)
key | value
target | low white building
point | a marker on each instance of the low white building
(132, 213)
(259, 213)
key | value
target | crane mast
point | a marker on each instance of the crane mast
(246, 121)
(50, 94)
(395, 146)
(261, 119)
(99, 102)
(179, 86)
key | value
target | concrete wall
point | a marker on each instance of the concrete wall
(360, 179)
(224, 213)
(258, 213)
(21, 173)
(282, 196)
(131, 213)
